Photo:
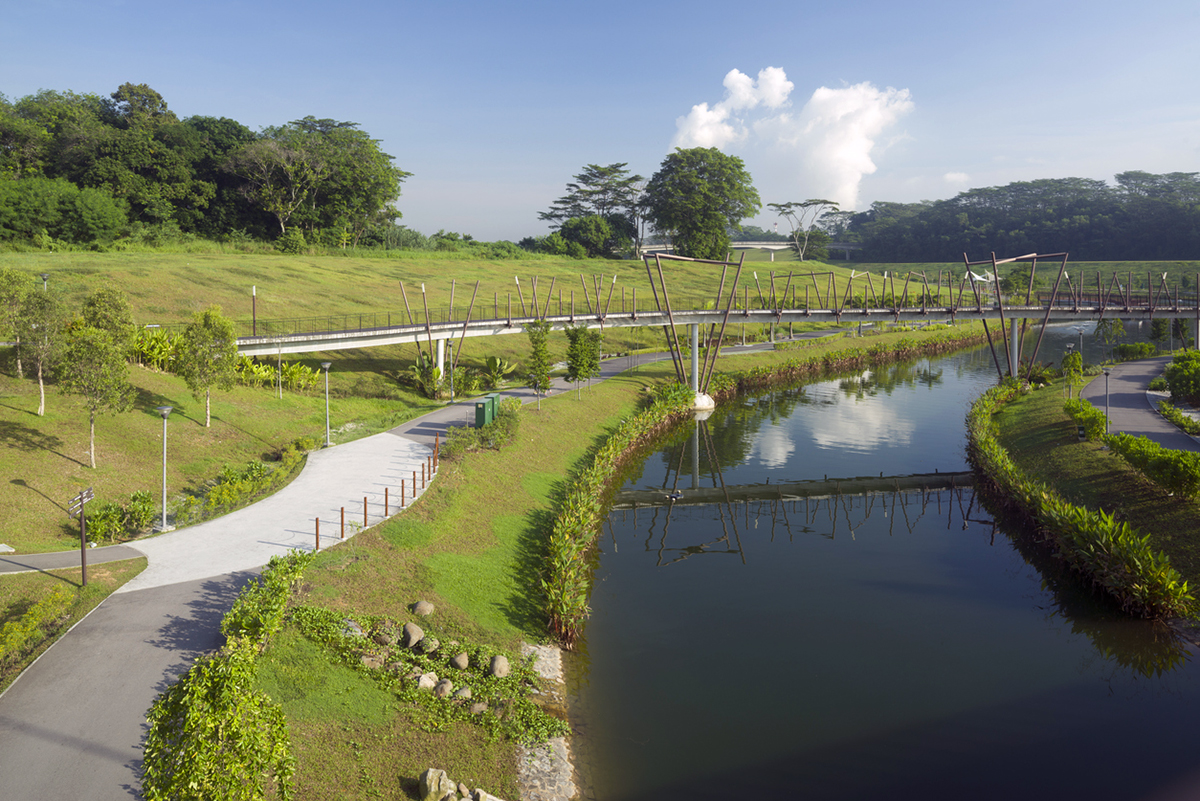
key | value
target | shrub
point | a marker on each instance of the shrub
(1127, 351)
(106, 522)
(1158, 384)
(1088, 416)
(140, 511)
(31, 628)
(291, 242)
(1183, 376)
(1174, 471)
(1188, 424)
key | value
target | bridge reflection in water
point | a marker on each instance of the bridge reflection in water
(825, 508)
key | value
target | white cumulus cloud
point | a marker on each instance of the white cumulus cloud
(823, 150)
(956, 178)
(718, 126)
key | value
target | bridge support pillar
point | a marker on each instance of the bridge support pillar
(440, 362)
(702, 401)
(1014, 348)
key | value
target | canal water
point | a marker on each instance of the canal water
(788, 626)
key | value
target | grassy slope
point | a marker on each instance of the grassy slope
(1041, 439)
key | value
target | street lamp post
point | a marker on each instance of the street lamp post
(1080, 330)
(1107, 371)
(44, 277)
(254, 310)
(1066, 375)
(325, 366)
(165, 411)
(450, 366)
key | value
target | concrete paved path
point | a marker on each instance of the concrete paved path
(1130, 410)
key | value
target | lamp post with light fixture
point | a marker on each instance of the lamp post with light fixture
(165, 411)
(325, 366)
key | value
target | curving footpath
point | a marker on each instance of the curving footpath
(1131, 410)
(72, 725)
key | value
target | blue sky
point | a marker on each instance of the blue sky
(494, 106)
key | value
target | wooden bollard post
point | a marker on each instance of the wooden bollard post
(401, 493)
(385, 501)
(414, 485)
(422, 476)
(318, 535)
(364, 511)
(343, 522)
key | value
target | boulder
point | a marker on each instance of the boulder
(462, 692)
(483, 795)
(411, 635)
(429, 645)
(372, 661)
(351, 629)
(463, 790)
(427, 681)
(422, 608)
(443, 688)
(478, 708)
(460, 662)
(499, 666)
(434, 785)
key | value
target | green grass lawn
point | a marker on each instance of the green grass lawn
(1042, 440)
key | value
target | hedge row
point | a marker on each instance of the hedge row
(1188, 425)
(1174, 471)
(1109, 554)
(212, 735)
(566, 582)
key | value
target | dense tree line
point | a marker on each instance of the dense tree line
(1143, 217)
(86, 169)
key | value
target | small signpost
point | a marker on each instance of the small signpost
(76, 505)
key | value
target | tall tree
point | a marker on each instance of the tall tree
(583, 354)
(40, 327)
(696, 196)
(610, 193)
(597, 190)
(208, 356)
(537, 369)
(802, 216)
(14, 287)
(108, 310)
(93, 367)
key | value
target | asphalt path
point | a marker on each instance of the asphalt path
(72, 725)
(1131, 409)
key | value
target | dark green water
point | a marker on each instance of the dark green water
(888, 646)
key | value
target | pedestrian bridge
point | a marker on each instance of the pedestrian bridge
(776, 299)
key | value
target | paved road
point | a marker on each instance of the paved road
(1129, 408)
(71, 727)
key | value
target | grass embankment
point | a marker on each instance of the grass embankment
(473, 545)
(21, 593)
(1041, 439)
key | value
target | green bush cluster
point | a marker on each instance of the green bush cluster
(1174, 471)
(515, 716)
(235, 487)
(111, 521)
(1188, 424)
(1183, 376)
(31, 628)
(1109, 554)
(1088, 416)
(493, 436)
(212, 735)
(1128, 351)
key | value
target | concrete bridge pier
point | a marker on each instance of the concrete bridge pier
(702, 400)
(1014, 349)
(440, 362)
